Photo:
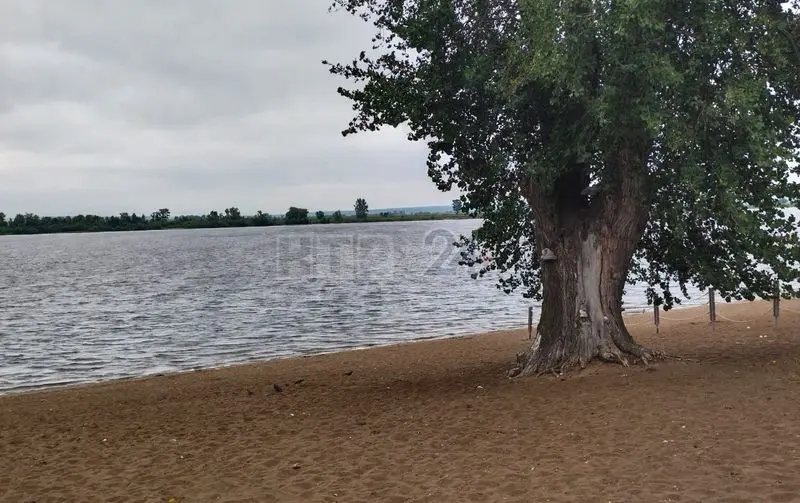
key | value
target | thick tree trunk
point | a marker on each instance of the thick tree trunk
(592, 245)
(581, 317)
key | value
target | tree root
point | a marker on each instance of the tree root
(557, 363)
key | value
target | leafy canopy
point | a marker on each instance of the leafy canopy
(361, 208)
(511, 93)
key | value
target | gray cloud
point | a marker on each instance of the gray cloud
(129, 105)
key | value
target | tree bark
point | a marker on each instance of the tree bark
(592, 244)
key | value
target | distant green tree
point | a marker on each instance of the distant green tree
(320, 216)
(161, 215)
(362, 209)
(457, 205)
(213, 216)
(233, 213)
(2, 218)
(261, 218)
(337, 216)
(296, 216)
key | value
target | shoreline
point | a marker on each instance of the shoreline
(259, 361)
(241, 363)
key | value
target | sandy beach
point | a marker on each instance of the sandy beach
(433, 421)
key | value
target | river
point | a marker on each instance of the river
(87, 307)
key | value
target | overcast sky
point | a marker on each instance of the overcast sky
(132, 105)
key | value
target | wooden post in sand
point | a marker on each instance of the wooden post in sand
(530, 322)
(776, 303)
(656, 316)
(712, 308)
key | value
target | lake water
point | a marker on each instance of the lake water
(86, 307)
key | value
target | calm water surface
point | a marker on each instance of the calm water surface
(87, 307)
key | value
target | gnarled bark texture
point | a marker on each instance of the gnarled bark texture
(593, 241)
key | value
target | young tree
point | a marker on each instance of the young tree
(361, 208)
(320, 216)
(601, 141)
(337, 216)
(457, 205)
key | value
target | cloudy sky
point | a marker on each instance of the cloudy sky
(132, 105)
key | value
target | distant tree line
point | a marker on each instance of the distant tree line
(162, 218)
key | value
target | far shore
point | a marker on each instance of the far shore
(81, 224)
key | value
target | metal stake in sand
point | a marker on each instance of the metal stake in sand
(656, 316)
(776, 303)
(712, 308)
(530, 321)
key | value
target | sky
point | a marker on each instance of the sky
(132, 105)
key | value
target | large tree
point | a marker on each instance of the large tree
(601, 141)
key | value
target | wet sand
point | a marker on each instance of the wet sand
(433, 421)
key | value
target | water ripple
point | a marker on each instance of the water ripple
(87, 307)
